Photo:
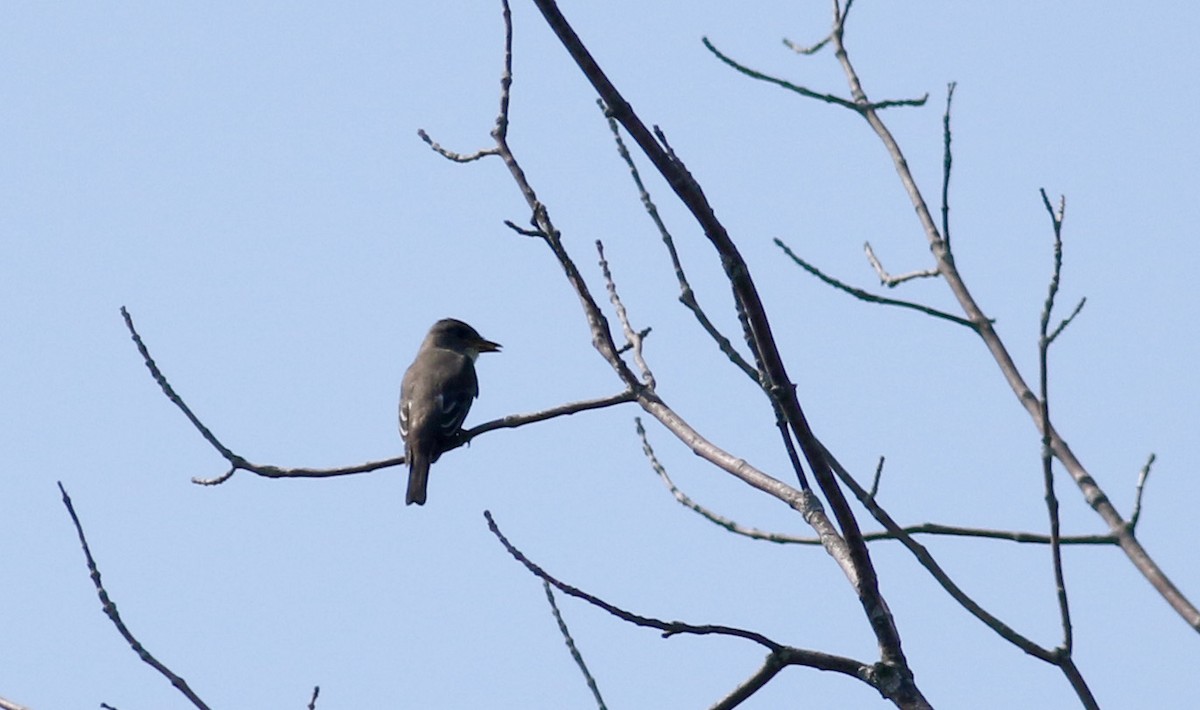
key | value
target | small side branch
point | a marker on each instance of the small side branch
(1137, 500)
(312, 703)
(451, 155)
(632, 337)
(947, 161)
(870, 297)
(857, 107)
(893, 281)
(575, 654)
(110, 610)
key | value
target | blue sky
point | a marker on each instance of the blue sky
(249, 183)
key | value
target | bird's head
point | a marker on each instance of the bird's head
(453, 334)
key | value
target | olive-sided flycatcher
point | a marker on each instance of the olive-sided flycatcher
(435, 396)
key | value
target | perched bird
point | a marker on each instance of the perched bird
(435, 396)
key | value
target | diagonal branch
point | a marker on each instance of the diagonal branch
(777, 383)
(574, 650)
(770, 668)
(110, 610)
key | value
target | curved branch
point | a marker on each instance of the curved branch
(795, 656)
(238, 463)
(870, 297)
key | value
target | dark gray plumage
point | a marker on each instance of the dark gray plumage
(435, 396)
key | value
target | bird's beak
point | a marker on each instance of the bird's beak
(487, 346)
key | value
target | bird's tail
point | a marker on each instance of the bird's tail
(418, 478)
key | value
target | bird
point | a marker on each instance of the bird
(435, 395)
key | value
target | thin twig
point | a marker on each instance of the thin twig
(312, 703)
(827, 98)
(1064, 609)
(875, 480)
(524, 232)
(806, 50)
(870, 297)
(110, 610)
(641, 336)
(632, 337)
(887, 279)
(570, 641)
(686, 295)
(1137, 499)
(1066, 321)
(947, 160)
(451, 155)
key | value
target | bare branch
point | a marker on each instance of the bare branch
(1141, 484)
(775, 379)
(1089, 488)
(947, 161)
(875, 481)
(10, 705)
(919, 529)
(238, 463)
(770, 668)
(641, 334)
(686, 295)
(110, 610)
(893, 281)
(632, 337)
(812, 659)
(312, 703)
(451, 155)
(524, 232)
(1056, 657)
(668, 629)
(575, 654)
(806, 50)
(870, 297)
(827, 98)
(1067, 321)
(935, 570)
(1060, 586)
